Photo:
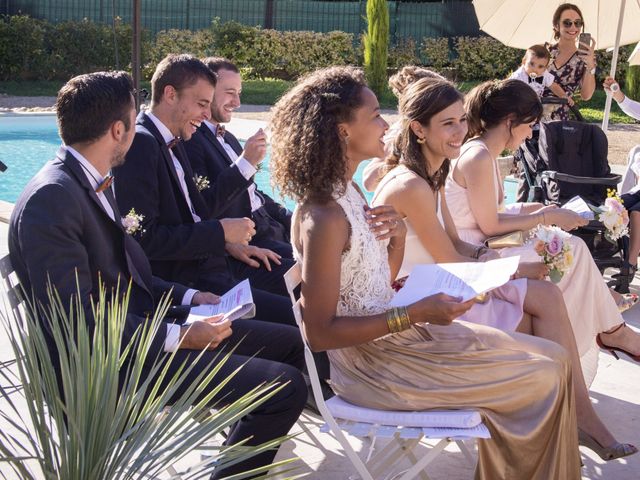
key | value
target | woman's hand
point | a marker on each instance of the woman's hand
(617, 94)
(565, 219)
(385, 223)
(438, 309)
(532, 270)
(488, 254)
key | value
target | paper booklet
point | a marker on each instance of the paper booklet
(236, 303)
(464, 280)
(578, 205)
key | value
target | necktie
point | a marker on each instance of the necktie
(220, 131)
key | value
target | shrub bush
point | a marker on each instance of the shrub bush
(376, 42)
(436, 53)
(632, 88)
(21, 47)
(485, 58)
(403, 53)
(199, 43)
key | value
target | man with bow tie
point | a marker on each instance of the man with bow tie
(183, 241)
(215, 153)
(66, 229)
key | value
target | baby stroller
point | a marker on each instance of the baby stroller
(569, 158)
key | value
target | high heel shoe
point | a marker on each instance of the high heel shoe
(613, 350)
(617, 450)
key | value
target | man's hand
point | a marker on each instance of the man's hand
(204, 334)
(247, 253)
(238, 230)
(205, 298)
(255, 148)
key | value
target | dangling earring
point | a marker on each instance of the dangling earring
(421, 141)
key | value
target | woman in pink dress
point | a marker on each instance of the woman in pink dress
(500, 115)
(432, 128)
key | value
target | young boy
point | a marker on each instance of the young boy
(533, 72)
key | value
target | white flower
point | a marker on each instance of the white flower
(202, 182)
(132, 222)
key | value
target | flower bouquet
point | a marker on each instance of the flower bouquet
(614, 217)
(552, 244)
(132, 222)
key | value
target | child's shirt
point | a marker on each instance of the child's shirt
(538, 84)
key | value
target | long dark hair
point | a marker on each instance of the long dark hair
(491, 102)
(420, 102)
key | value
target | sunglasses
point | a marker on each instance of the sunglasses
(567, 23)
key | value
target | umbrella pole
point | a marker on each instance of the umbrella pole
(614, 65)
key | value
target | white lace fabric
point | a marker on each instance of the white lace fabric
(365, 285)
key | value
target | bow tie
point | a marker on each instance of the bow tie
(173, 142)
(220, 131)
(106, 183)
(537, 79)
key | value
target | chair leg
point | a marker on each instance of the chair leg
(466, 452)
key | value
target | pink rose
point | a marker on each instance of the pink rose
(539, 247)
(554, 246)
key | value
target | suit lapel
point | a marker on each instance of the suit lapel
(145, 122)
(206, 131)
(134, 270)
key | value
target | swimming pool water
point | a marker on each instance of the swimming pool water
(27, 142)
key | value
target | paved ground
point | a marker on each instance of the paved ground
(615, 393)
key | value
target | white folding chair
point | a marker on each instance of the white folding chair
(405, 430)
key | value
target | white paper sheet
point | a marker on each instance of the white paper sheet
(578, 205)
(464, 280)
(236, 303)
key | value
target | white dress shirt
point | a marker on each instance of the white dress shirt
(630, 107)
(244, 166)
(95, 179)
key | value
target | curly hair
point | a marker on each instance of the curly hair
(408, 75)
(491, 102)
(307, 153)
(420, 102)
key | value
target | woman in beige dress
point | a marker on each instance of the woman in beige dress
(322, 130)
(432, 128)
(500, 115)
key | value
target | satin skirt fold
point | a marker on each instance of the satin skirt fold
(520, 384)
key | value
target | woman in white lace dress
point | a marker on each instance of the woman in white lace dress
(322, 129)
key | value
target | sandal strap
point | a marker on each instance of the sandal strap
(623, 324)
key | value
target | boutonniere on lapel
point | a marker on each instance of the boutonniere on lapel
(132, 222)
(202, 182)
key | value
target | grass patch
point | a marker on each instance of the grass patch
(267, 92)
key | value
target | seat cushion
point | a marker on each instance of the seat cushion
(339, 408)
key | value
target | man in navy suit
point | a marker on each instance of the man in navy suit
(182, 240)
(216, 154)
(66, 228)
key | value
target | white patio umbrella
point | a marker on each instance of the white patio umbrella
(634, 58)
(522, 23)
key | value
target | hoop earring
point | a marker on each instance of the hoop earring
(421, 141)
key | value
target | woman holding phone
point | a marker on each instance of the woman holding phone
(573, 60)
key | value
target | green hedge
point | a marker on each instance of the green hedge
(32, 49)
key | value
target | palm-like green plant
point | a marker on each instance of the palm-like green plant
(87, 427)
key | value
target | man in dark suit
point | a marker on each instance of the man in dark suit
(67, 225)
(216, 154)
(183, 243)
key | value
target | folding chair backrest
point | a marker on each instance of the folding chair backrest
(11, 286)
(579, 149)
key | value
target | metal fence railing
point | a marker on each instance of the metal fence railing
(407, 19)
